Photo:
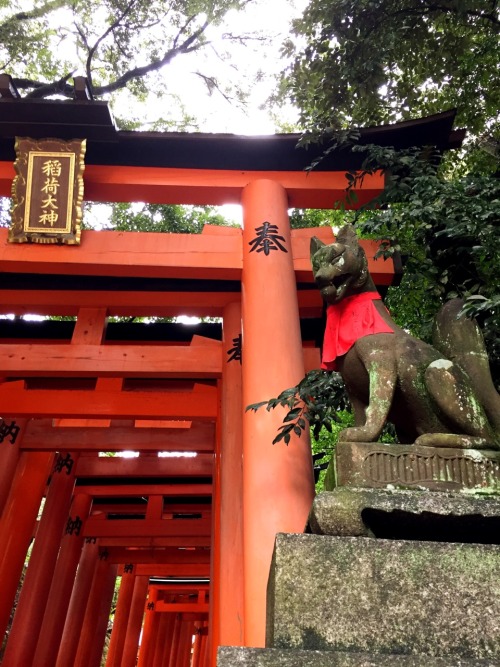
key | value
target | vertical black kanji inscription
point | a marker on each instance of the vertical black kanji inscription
(128, 567)
(66, 462)
(7, 430)
(151, 606)
(235, 352)
(103, 554)
(267, 239)
(90, 540)
(73, 526)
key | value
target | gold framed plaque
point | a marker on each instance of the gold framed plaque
(47, 192)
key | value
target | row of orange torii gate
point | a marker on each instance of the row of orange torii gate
(190, 536)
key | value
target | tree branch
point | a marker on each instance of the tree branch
(183, 29)
(212, 85)
(35, 13)
(41, 90)
(93, 49)
(468, 12)
(138, 72)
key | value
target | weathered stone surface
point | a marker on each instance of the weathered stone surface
(384, 596)
(377, 465)
(452, 517)
(229, 656)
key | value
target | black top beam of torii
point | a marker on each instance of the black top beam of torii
(106, 145)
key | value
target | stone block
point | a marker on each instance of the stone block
(424, 515)
(384, 596)
(229, 656)
(377, 465)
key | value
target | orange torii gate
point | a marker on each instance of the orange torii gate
(82, 391)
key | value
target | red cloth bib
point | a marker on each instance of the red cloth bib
(346, 322)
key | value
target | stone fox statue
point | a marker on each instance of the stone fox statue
(440, 395)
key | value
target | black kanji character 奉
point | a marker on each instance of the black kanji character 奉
(235, 352)
(267, 239)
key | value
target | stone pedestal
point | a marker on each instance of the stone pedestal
(384, 596)
(229, 656)
(424, 515)
(402, 567)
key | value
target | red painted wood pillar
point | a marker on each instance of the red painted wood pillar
(278, 486)
(9, 456)
(103, 612)
(190, 640)
(164, 642)
(197, 645)
(77, 605)
(215, 547)
(134, 624)
(158, 639)
(174, 645)
(18, 522)
(204, 655)
(184, 642)
(30, 609)
(62, 584)
(228, 582)
(181, 644)
(120, 621)
(150, 649)
(149, 630)
(102, 587)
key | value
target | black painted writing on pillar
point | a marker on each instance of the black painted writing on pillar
(235, 352)
(90, 540)
(103, 554)
(64, 462)
(73, 526)
(267, 239)
(7, 430)
(151, 606)
(128, 567)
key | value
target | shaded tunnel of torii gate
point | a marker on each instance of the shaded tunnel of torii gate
(190, 536)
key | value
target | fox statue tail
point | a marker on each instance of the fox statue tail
(460, 340)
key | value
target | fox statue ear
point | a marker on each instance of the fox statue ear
(347, 236)
(316, 244)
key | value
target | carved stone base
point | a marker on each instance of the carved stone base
(376, 465)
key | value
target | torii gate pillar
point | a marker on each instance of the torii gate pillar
(278, 486)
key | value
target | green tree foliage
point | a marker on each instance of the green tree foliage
(366, 62)
(316, 401)
(114, 43)
(164, 218)
(448, 231)
(311, 217)
(373, 61)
